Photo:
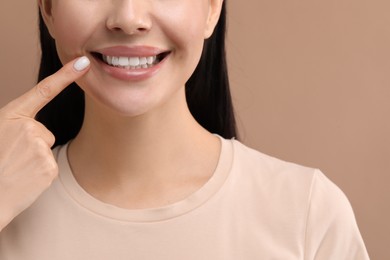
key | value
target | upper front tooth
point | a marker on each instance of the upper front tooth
(123, 61)
(134, 61)
(129, 61)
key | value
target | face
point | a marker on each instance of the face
(142, 51)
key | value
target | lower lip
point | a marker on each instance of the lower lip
(131, 74)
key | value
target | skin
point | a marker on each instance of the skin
(139, 146)
(175, 25)
(150, 150)
(27, 165)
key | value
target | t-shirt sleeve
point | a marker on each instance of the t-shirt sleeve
(331, 228)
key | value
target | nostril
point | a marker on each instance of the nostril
(129, 31)
(116, 29)
(129, 24)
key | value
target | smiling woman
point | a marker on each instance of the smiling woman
(132, 29)
(207, 91)
(145, 150)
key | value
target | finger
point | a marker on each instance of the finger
(36, 98)
(38, 130)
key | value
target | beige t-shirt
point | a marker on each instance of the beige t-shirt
(253, 207)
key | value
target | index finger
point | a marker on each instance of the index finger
(36, 98)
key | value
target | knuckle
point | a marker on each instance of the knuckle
(44, 88)
(36, 134)
(28, 126)
(38, 149)
(40, 159)
(49, 169)
(51, 139)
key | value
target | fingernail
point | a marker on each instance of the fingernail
(81, 64)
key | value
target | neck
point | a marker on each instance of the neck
(159, 147)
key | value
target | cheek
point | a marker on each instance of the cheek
(72, 27)
(184, 22)
(184, 25)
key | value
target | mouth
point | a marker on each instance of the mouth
(131, 63)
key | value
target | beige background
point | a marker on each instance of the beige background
(311, 84)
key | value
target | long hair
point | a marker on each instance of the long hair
(207, 91)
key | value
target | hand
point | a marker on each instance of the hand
(27, 165)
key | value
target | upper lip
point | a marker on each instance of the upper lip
(131, 51)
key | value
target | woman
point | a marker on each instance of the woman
(146, 164)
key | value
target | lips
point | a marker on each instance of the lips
(131, 63)
(131, 56)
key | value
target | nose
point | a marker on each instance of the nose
(129, 16)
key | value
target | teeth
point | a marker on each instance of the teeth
(123, 61)
(150, 60)
(134, 62)
(143, 61)
(130, 62)
(115, 61)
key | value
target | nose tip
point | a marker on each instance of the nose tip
(130, 17)
(130, 29)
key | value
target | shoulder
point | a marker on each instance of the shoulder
(300, 196)
(271, 185)
(270, 171)
(286, 180)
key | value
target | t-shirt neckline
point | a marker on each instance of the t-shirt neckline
(193, 201)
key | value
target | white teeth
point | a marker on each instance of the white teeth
(143, 61)
(115, 61)
(134, 62)
(123, 61)
(107, 59)
(130, 62)
(150, 60)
